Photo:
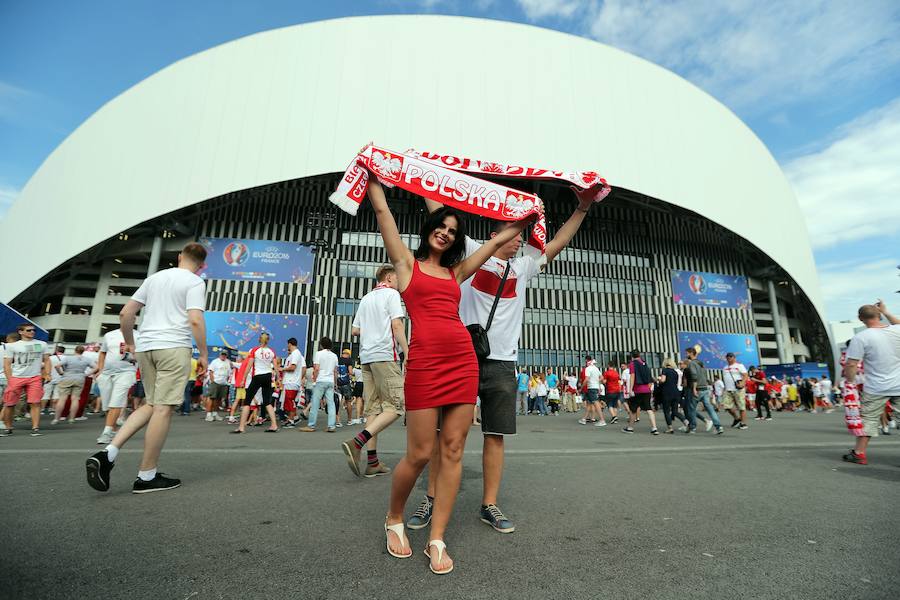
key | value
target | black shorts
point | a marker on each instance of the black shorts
(345, 390)
(497, 392)
(641, 401)
(358, 389)
(260, 382)
(612, 400)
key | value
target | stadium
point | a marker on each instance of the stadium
(701, 241)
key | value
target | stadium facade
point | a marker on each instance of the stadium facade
(246, 140)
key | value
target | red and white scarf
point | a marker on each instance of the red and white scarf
(450, 181)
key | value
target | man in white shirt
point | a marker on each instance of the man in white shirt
(26, 364)
(294, 377)
(219, 374)
(324, 375)
(379, 325)
(50, 386)
(735, 376)
(591, 384)
(173, 301)
(72, 369)
(878, 348)
(116, 373)
(259, 368)
(497, 382)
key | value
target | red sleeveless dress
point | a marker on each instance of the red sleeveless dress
(441, 367)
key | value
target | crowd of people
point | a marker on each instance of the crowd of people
(466, 303)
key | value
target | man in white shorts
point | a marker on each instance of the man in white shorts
(735, 376)
(173, 301)
(219, 375)
(50, 386)
(116, 373)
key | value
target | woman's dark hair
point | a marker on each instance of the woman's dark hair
(454, 253)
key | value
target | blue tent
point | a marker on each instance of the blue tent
(10, 319)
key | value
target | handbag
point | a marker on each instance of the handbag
(479, 334)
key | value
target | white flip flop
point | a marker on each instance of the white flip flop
(397, 529)
(441, 548)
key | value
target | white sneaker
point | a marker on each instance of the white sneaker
(683, 429)
(209, 418)
(120, 421)
(892, 424)
(106, 438)
(338, 424)
(708, 424)
(600, 424)
(216, 417)
(582, 421)
(54, 421)
(81, 418)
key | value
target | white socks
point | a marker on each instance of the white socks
(147, 475)
(112, 452)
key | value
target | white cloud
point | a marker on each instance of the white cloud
(8, 195)
(535, 10)
(11, 97)
(849, 284)
(752, 55)
(850, 190)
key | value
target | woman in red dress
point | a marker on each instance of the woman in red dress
(441, 369)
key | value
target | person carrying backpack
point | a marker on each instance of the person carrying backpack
(639, 389)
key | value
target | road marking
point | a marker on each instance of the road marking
(643, 450)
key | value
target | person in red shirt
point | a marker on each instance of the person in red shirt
(613, 384)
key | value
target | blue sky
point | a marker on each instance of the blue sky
(817, 80)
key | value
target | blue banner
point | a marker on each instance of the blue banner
(257, 260)
(239, 332)
(10, 319)
(699, 288)
(793, 370)
(712, 347)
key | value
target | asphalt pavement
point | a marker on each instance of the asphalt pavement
(770, 512)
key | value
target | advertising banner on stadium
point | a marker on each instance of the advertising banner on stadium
(712, 347)
(257, 260)
(239, 332)
(699, 288)
(10, 319)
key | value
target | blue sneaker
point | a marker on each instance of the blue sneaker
(491, 515)
(422, 517)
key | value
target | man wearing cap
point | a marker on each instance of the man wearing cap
(735, 376)
(219, 373)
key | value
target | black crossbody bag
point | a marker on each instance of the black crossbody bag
(479, 334)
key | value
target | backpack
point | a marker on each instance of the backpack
(343, 375)
(641, 372)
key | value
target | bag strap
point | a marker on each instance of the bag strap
(497, 295)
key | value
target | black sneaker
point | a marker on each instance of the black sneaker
(98, 468)
(719, 430)
(36, 432)
(159, 483)
(735, 424)
(614, 420)
(491, 515)
(742, 426)
(422, 517)
(4, 432)
(627, 430)
(654, 431)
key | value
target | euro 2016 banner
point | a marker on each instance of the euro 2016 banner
(257, 260)
(712, 347)
(237, 332)
(699, 288)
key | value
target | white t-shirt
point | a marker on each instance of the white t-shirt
(478, 294)
(263, 361)
(292, 378)
(718, 387)
(373, 318)
(879, 349)
(572, 382)
(54, 362)
(357, 375)
(732, 374)
(328, 362)
(27, 357)
(92, 358)
(220, 371)
(113, 344)
(825, 387)
(167, 296)
(2, 370)
(592, 375)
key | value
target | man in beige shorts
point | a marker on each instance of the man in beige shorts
(734, 376)
(379, 325)
(173, 301)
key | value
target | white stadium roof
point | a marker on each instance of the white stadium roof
(300, 101)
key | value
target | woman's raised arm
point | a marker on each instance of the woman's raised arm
(468, 266)
(398, 253)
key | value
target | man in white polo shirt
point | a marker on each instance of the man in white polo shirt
(878, 348)
(116, 373)
(497, 374)
(219, 373)
(379, 325)
(294, 375)
(173, 302)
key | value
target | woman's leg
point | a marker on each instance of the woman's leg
(454, 429)
(420, 440)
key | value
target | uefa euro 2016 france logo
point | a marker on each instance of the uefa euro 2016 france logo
(697, 284)
(235, 254)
